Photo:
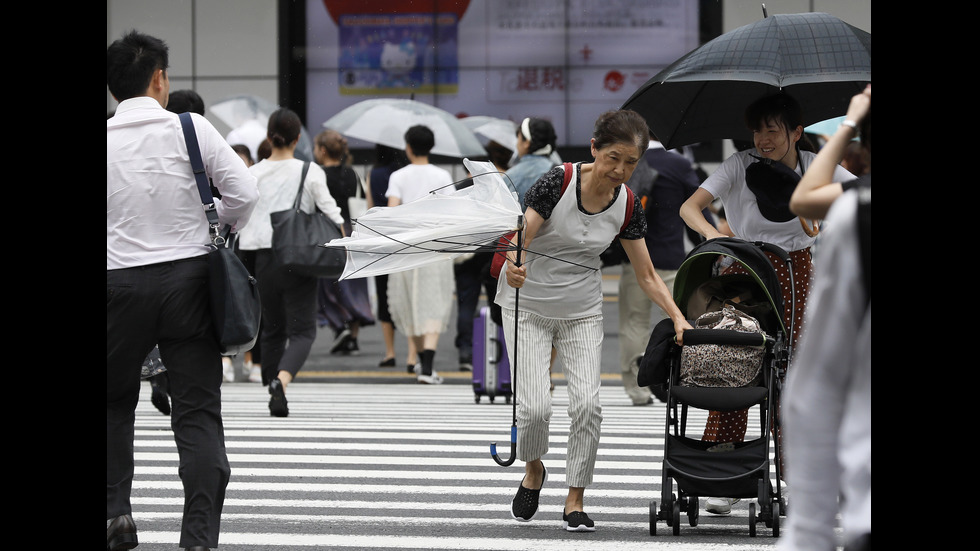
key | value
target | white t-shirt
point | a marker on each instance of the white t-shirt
(413, 182)
(742, 209)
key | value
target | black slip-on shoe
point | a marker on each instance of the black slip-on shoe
(577, 521)
(525, 504)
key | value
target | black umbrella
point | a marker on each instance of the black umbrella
(818, 59)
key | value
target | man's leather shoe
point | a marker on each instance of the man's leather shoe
(121, 533)
(160, 392)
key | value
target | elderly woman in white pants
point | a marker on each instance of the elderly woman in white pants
(560, 303)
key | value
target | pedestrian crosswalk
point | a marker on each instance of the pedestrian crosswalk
(405, 466)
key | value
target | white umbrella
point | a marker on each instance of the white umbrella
(244, 112)
(385, 240)
(502, 131)
(384, 121)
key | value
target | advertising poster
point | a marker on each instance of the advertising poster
(563, 60)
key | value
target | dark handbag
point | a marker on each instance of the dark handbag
(236, 310)
(298, 238)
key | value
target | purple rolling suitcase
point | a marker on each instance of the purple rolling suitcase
(491, 368)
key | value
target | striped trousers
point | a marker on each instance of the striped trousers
(579, 346)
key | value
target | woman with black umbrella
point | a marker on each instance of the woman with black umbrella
(755, 186)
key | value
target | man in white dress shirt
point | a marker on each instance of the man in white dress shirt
(157, 285)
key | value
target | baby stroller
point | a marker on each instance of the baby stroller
(697, 468)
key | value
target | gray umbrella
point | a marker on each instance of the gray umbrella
(818, 59)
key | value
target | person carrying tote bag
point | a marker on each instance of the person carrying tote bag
(298, 236)
(288, 298)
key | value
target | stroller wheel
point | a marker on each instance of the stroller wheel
(653, 518)
(693, 509)
(752, 520)
(775, 519)
(677, 518)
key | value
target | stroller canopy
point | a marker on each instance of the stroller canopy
(702, 265)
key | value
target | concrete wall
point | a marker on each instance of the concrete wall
(218, 48)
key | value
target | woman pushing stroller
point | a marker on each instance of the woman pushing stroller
(755, 186)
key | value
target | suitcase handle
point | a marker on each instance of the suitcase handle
(499, 352)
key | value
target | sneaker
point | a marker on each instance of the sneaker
(433, 379)
(720, 505)
(416, 369)
(277, 404)
(340, 341)
(577, 521)
(255, 374)
(465, 366)
(352, 347)
(525, 504)
(228, 369)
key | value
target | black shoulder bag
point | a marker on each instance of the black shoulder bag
(235, 306)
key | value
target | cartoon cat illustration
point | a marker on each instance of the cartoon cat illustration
(398, 61)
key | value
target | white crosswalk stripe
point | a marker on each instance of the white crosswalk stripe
(402, 466)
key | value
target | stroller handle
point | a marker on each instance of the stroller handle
(774, 249)
(723, 336)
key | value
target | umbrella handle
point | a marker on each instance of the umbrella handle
(513, 449)
(513, 383)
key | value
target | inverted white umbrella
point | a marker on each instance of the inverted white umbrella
(385, 240)
(385, 120)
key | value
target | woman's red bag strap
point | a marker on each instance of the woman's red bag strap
(499, 256)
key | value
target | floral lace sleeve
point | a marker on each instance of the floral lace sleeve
(637, 227)
(545, 193)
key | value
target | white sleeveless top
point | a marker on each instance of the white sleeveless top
(567, 283)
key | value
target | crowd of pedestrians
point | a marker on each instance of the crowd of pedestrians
(252, 180)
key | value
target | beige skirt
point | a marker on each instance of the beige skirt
(421, 300)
